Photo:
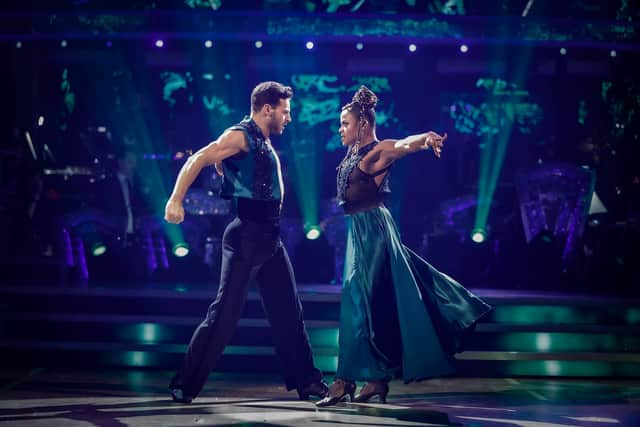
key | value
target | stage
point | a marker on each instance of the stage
(529, 333)
(136, 397)
(103, 356)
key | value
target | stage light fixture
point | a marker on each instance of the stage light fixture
(98, 249)
(479, 235)
(181, 249)
(312, 232)
(94, 242)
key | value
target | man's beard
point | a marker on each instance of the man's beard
(274, 128)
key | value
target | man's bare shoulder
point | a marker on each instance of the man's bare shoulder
(233, 138)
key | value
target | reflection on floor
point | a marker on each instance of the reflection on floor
(131, 397)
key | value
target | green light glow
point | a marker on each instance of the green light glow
(206, 4)
(172, 83)
(181, 249)
(633, 316)
(150, 332)
(146, 333)
(488, 119)
(326, 338)
(376, 84)
(577, 368)
(217, 105)
(69, 96)
(320, 83)
(623, 104)
(543, 342)
(315, 111)
(505, 108)
(326, 363)
(313, 232)
(307, 169)
(478, 235)
(552, 367)
(137, 358)
(582, 112)
(604, 89)
(69, 100)
(563, 314)
(544, 314)
(108, 23)
(141, 128)
(449, 7)
(98, 249)
(317, 103)
(565, 342)
(423, 28)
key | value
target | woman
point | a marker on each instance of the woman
(398, 314)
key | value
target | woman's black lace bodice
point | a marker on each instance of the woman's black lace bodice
(357, 190)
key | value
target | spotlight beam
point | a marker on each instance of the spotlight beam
(495, 147)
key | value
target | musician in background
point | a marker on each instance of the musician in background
(121, 198)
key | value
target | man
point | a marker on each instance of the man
(119, 198)
(124, 205)
(252, 248)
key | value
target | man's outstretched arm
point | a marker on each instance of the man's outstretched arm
(227, 145)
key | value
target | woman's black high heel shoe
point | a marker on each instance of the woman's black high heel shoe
(371, 389)
(338, 392)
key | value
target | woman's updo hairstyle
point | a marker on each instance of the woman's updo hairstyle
(363, 105)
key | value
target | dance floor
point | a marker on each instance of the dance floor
(129, 397)
(103, 357)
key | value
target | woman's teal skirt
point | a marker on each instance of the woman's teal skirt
(398, 315)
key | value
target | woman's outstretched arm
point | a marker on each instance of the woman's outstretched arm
(390, 150)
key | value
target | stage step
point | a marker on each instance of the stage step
(527, 333)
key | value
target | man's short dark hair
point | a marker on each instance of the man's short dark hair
(269, 93)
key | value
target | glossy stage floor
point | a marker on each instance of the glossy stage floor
(129, 397)
(103, 356)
